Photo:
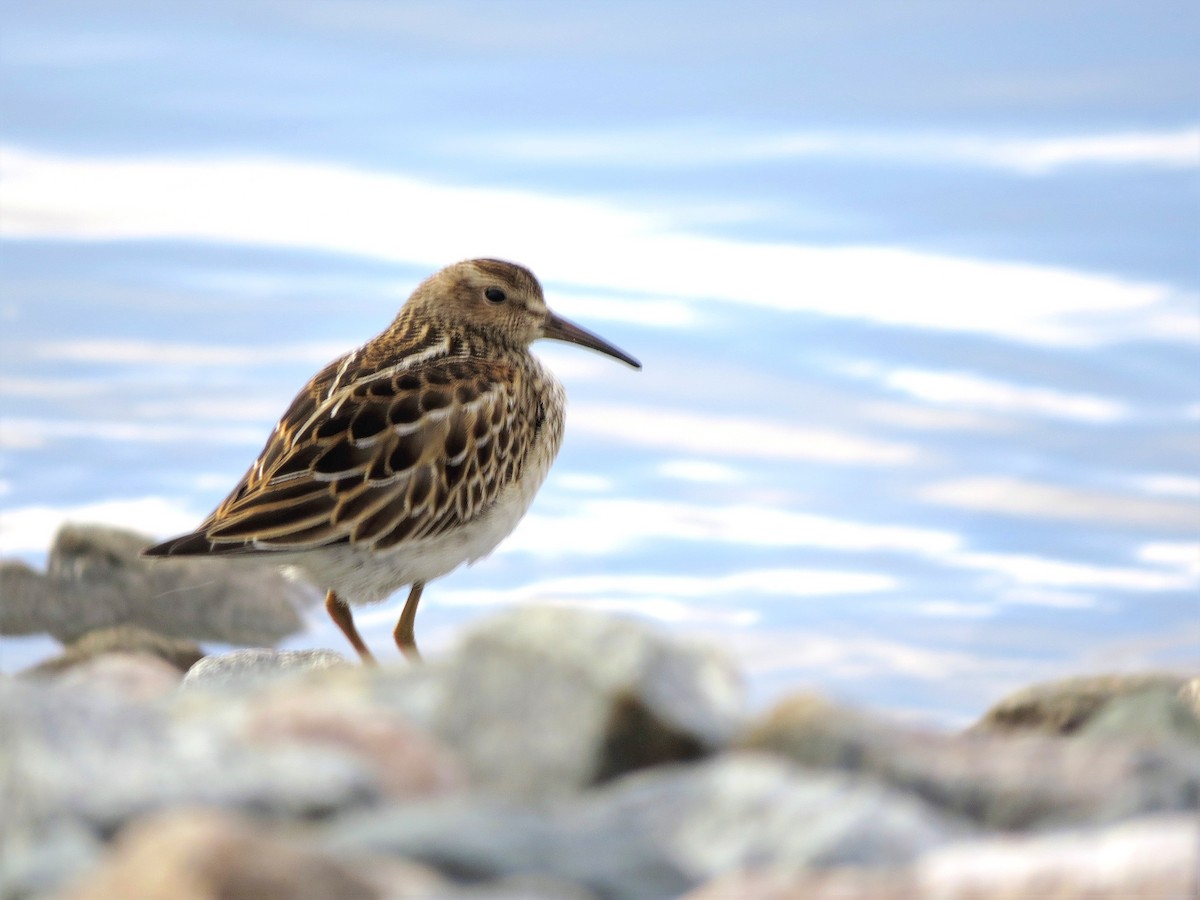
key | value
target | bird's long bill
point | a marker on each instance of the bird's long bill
(559, 329)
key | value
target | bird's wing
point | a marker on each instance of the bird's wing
(378, 457)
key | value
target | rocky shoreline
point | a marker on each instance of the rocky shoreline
(561, 753)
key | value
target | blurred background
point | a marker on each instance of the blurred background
(914, 286)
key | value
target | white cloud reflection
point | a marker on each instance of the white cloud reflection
(760, 582)
(31, 529)
(704, 471)
(275, 202)
(674, 147)
(28, 433)
(829, 658)
(1048, 597)
(1009, 496)
(602, 526)
(1181, 555)
(665, 598)
(167, 353)
(734, 436)
(973, 392)
(1169, 485)
(1028, 570)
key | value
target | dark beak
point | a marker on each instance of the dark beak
(559, 329)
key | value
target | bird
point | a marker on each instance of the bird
(411, 455)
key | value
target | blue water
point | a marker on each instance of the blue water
(914, 286)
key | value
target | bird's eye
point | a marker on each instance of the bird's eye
(495, 295)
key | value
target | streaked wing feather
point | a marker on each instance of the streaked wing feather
(380, 460)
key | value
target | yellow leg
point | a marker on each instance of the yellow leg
(405, 639)
(340, 612)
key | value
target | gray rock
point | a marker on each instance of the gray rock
(543, 700)
(182, 654)
(750, 810)
(241, 668)
(820, 884)
(415, 692)
(23, 590)
(134, 676)
(1063, 707)
(1189, 695)
(330, 708)
(997, 781)
(660, 832)
(33, 865)
(95, 579)
(1157, 857)
(515, 887)
(554, 753)
(477, 839)
(205, 854)
(78, 759)
(1153, 716)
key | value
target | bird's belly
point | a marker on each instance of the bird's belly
(359, 575)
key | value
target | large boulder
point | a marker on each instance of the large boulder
(95, 579)
(1156, 857)
(541, 701)
(660, 832)
(1066, 706)
(205, 854)
(999, 781)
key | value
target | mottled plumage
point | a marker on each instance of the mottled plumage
(411, 455)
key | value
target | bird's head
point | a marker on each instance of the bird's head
(504, 301)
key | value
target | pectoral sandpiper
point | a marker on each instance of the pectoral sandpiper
(414, 454)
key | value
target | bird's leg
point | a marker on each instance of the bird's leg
(340, 612)
(405, 639)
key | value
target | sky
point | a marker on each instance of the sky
(915, 287)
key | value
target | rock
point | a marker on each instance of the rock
(485, 838)
(1155, 716)
(558, 753)
(1063, 707)
(34, 864)
(415, 692)
(210, 855)
(1142, 858)
(134, 676)
(524, 887)
(407, 763)
(95, 579)
(181, 654)
(23, 591)
(241, 668)
(1157, 857)
(1189, 695)
(544, 700)
(660, 832)
(839, 884)
(743, 809)
(811, 730)
(997, 781)
(94, 760)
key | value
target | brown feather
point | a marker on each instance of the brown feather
(391, 443)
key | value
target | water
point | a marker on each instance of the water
(914, 288)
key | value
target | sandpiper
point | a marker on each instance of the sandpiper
(414, 454)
